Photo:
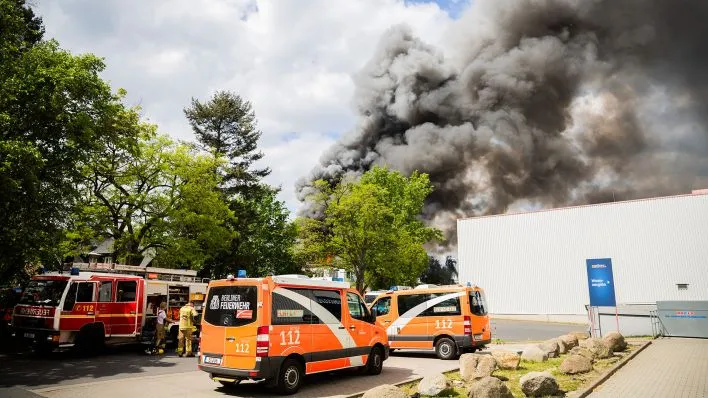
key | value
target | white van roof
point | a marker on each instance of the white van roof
(290, 280)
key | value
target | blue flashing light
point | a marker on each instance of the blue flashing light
(74, 270)
(393, 288)
(242, 273)
(469, 284)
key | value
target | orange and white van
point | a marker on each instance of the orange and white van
(451, 319)
(280, 328)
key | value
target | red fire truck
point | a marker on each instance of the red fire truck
(96, 304)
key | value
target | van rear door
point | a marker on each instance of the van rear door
(480, 318)
(230, 326)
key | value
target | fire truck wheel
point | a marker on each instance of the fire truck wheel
(374, 364)
(90, 340)
(290, 377)
(445, 348)
(43, 349)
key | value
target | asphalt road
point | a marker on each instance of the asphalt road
(125, 371)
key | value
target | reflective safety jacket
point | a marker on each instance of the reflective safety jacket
(186, 317)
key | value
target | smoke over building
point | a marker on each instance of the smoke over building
(540, 103)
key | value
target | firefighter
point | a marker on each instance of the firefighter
(187, 315)
(162, 322)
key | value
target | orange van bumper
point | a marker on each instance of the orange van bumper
(266, 368)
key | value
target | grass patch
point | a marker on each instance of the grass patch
(567, 383)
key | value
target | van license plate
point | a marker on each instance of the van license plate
(212, 360)
(29, 335)
(478, 337)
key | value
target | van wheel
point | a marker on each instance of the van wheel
(446, 349)
(374, 364)
(290, 377)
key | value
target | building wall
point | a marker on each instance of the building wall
(533, 264)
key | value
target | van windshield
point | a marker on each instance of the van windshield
(44, 292)
(478, 303)
(369, 298)
(231, 305)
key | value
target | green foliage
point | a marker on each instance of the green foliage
(371, 227)
(225, 125)
(77, 166)
(265, 241)
(157, 196)
(55, 111)
(440, 274)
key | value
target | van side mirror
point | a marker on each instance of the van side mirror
(374, 314)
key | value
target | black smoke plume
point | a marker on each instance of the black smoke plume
(538, 103)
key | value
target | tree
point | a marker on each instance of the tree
(158, 195)
(372, 227)
(265, 240)
(55, 111)
(440, 274)
(226, 126)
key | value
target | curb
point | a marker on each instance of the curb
(359, 394)
(589, 389)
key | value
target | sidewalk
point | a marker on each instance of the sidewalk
(669, 367)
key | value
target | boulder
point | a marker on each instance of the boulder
(580, 335)
(582, 352)
(490, 387)
(576, 364)
(485, 366)
(562, 347)
(550, 347)
(475, 366)
(538, 384)
(615, 341)
(385, 391)
(458, 383)
(534, 353)
(506, 359)
(434, 384)
(569, 340)
(598, 348)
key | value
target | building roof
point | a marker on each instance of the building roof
(694, 193)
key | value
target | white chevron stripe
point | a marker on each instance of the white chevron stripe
(334, 325)
(403, 320)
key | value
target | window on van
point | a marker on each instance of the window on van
(383, 306)
(288, 312)
(126, 291)
(408, 301)
(478, 303)
(448, 307)
(357, 308)
(70, 297)
(105, 292)
(330, 300)
(231, 305)
(84, 293)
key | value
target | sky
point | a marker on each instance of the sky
(293, 59)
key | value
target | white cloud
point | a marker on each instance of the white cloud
(293, 59)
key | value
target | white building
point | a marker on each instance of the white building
(533, 265)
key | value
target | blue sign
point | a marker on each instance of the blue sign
(600, 282)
